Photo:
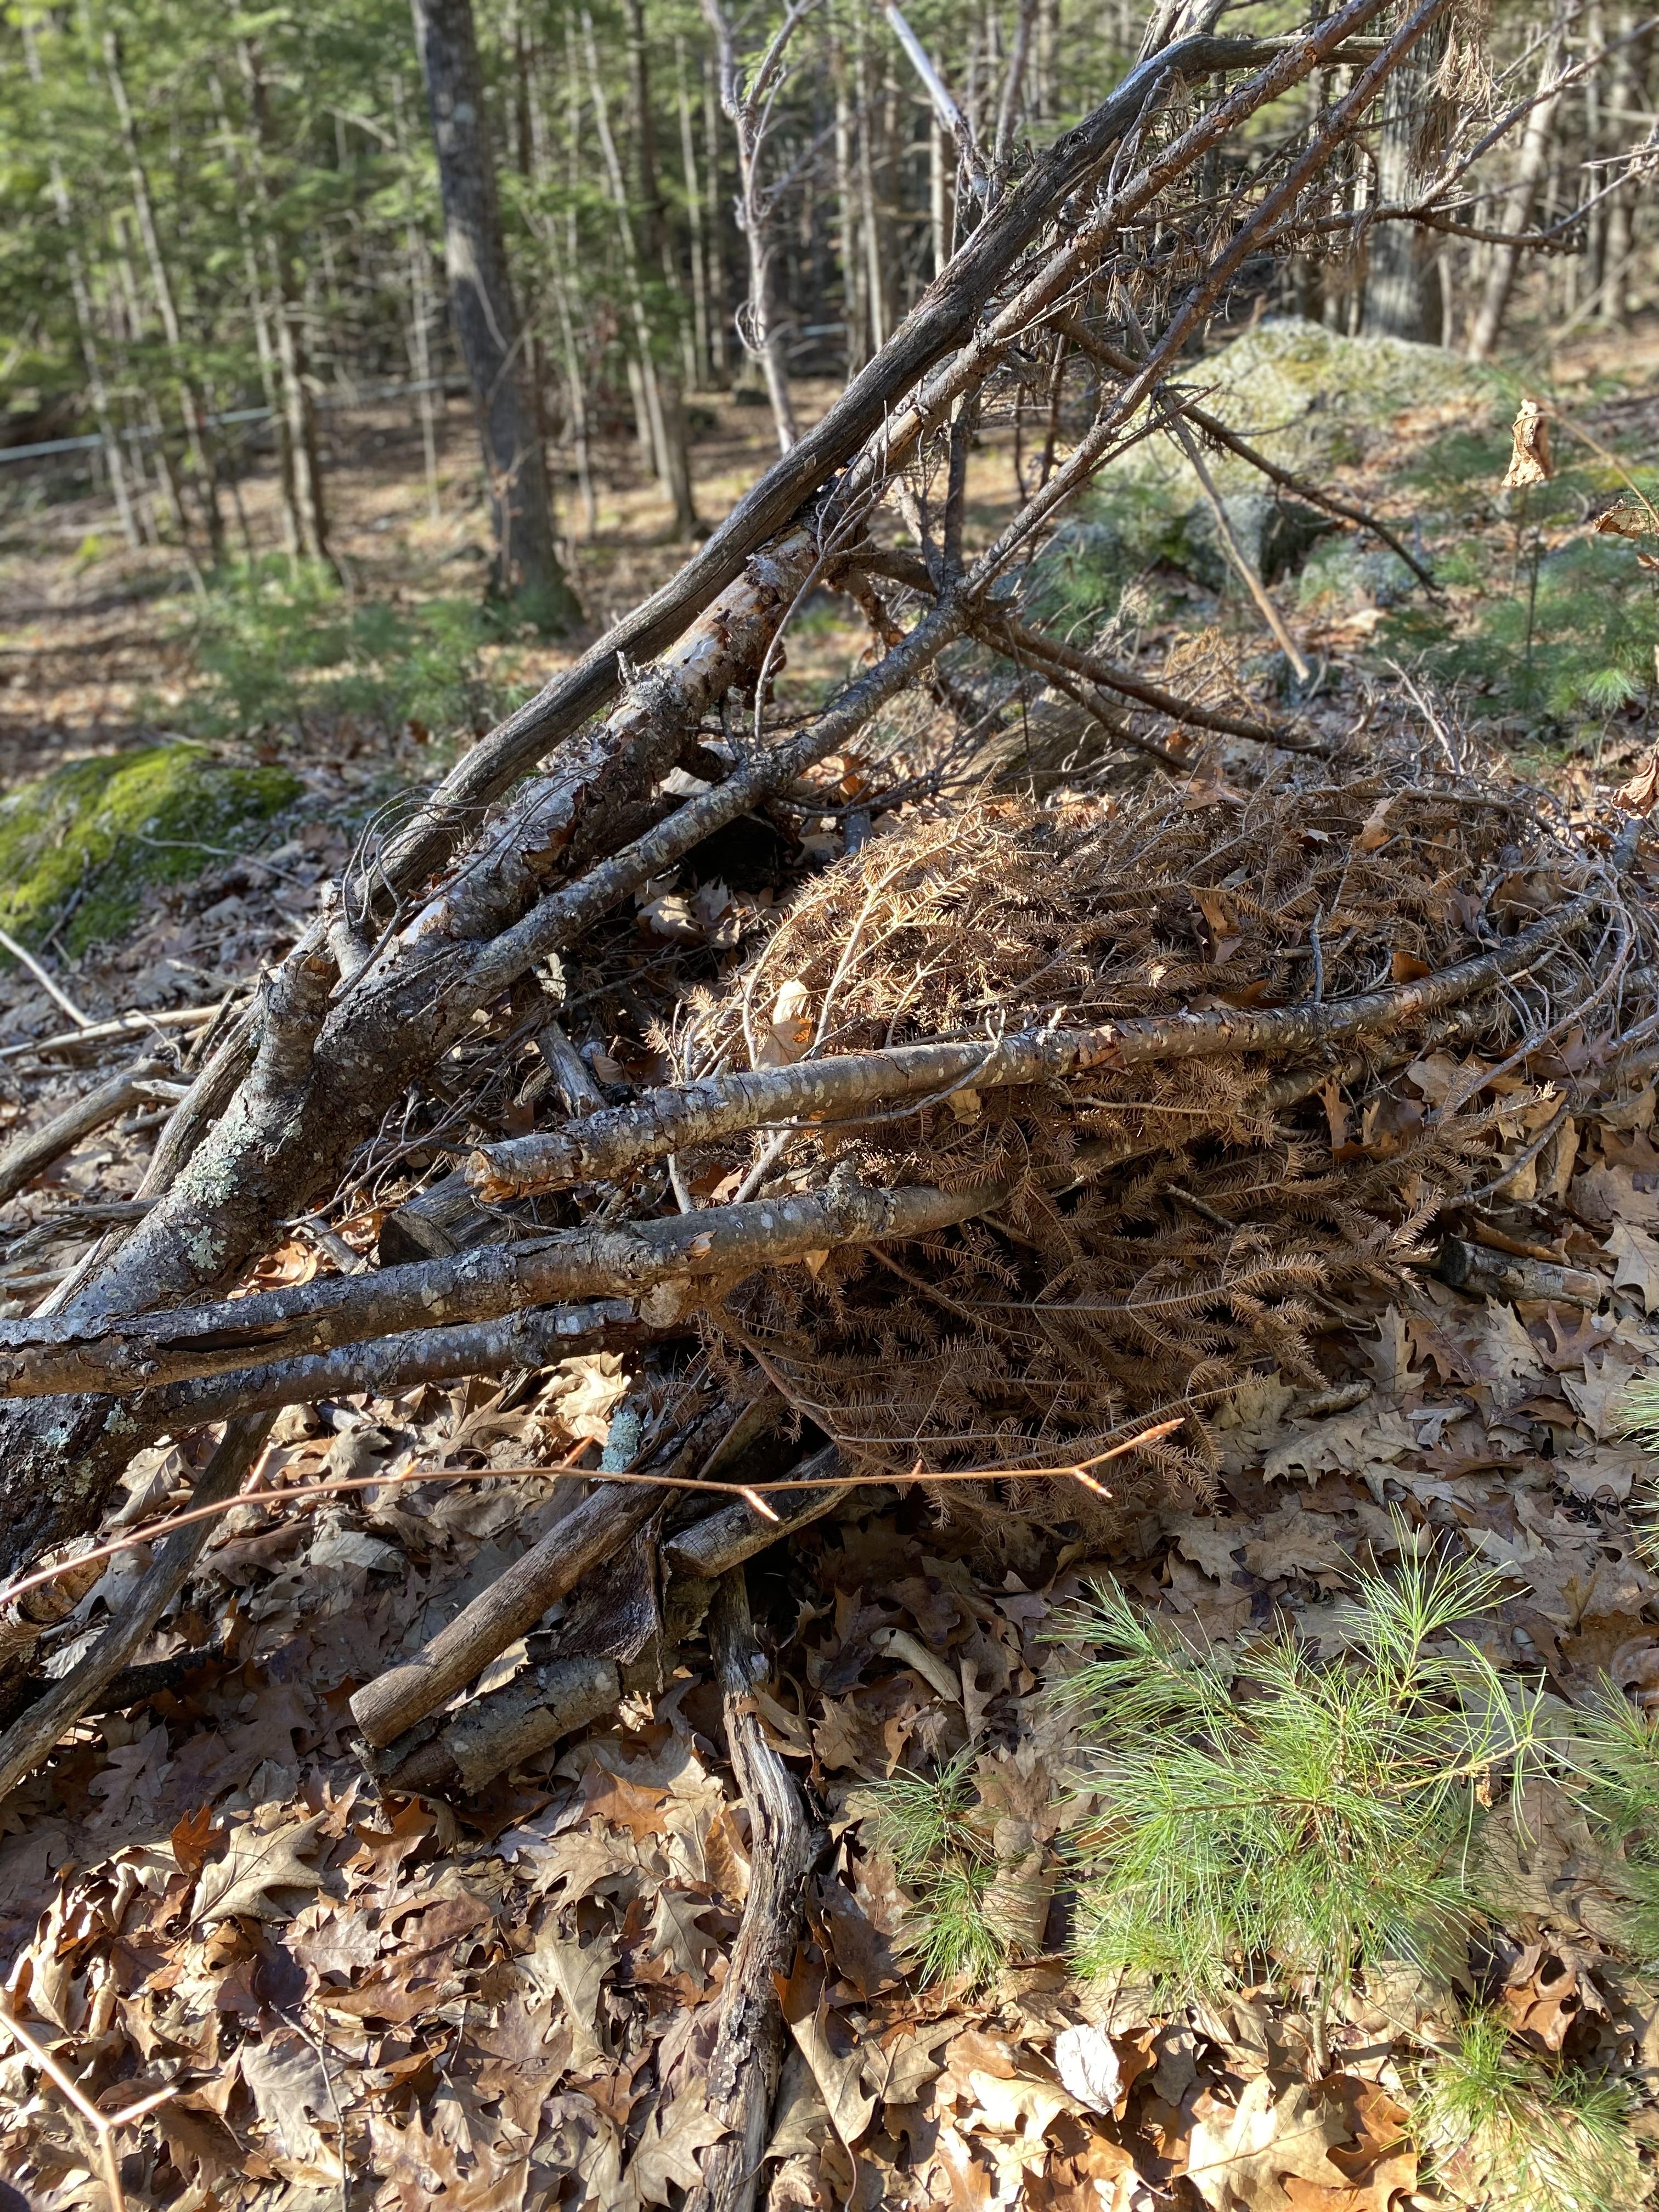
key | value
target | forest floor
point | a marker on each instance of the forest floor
(495, 2003)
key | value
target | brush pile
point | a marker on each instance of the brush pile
(1185, 1066)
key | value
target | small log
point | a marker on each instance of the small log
(496, 1733)
(571, 1548)
(712, 1547)
(572, 1078)
(1488, 1274)
(441, 1220)
(508, 1609)
(31, 1736)
(34, 1152)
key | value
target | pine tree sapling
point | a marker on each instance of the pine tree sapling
(1314, 1816)
(942, 1855)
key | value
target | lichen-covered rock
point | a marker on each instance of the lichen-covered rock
(107, 828)
(1305, 397)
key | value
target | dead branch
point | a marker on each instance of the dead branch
(27, 1156)
(748, 2054)
(1001, 631)
(670, 1119)
(509, 1608)
(713, 1547)
(129, 1353)
(500, 1731)
(31, 1737)
(571, 1548)
(526, 1339)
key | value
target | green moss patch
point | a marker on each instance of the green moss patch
(107, 829)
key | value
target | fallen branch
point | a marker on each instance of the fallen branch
(27, 1156)
(712, 1547)
(996, 628)
(495, 1733)
(516, 1600)
(744, 2068)
(47, 982)
(31, 1737)
(129, 1353)
(164, 1017)
(671, 1120)
(528, 1339)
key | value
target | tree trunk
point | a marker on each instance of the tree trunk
(1402, 294)
(143, 209)
(654, 255)
(527, 568)
(85, 324)
(1506, 260)
(297, 427)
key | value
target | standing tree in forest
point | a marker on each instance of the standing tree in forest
(527, 568)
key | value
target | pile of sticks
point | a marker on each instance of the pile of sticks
(1105, 257)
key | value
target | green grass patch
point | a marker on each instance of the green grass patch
(109, 828)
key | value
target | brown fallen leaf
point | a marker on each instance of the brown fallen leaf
(1240, 2155)
(1638, 794)
(1529, 462)
(837, 2073)
(258, 1862)
(1636, 1256)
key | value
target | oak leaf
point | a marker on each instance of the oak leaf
(258, 1864)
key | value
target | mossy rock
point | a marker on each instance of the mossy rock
(1306, 398)
(117, 824)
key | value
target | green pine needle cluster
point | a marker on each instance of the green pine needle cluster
(929, 1827)
(1317, 1816)
(1508, 2130)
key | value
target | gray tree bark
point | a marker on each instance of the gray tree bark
(527, 568)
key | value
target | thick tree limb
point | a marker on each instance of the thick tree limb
(31, 1737)
(531, 1339)
(136, 1352)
